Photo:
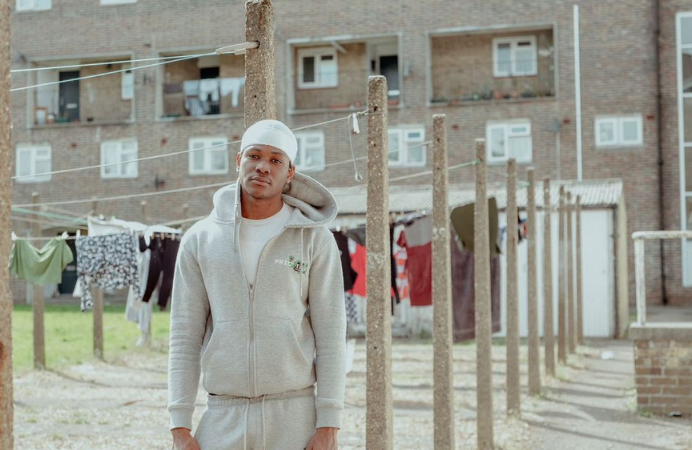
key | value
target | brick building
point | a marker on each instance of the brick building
(500, 69)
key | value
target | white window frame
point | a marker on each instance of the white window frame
(514, 43)
(405, 138)
(34, 158)
(685, 246)
(506, 127)
(116, 2)
(128, 85)
(317, 53)
(20, 5)
(303, 148)
(618, 123)
(207, 143)
(120, 174)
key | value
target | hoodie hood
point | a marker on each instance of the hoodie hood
(314, 205)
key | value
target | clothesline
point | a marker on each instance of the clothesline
(236, 48)
(166, 155)
(127, 61)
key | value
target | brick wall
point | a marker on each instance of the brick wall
(618, 77)
(663, 369)
(353, 69)
(462, 65)
(100, 98)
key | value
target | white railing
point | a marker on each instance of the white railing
(639, 264)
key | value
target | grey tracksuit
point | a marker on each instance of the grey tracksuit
(262, 348)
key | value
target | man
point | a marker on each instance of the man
(258, 307)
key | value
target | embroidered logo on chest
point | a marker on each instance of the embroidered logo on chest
(297, 265)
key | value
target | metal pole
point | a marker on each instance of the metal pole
(483, 313)
(580, 300)
(513, 365)
(548, 298)
(38, 303)
(443, 385)
(379, 431)
(640, 279)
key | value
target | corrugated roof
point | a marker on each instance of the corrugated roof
(410, 198)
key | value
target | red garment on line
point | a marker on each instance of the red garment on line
(359, 263)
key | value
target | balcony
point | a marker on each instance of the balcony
(333, 75)
(203, 87)
(500, 67)
(73, 100)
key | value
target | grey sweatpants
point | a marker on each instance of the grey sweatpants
(272, 422)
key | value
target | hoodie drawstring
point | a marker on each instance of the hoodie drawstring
(301, 262)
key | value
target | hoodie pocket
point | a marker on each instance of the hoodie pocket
(225, 361)
(281, 364)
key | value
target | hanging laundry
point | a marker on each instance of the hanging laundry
(134, 298)
(209, 89)
(357, 235)
(351, 307)
(232, 86)
(108, 261)
(359, 263)
(164, 253)
(464, 294)
(40, 266)
(392, 267)
(349, 274)
(463, 223)
(402, 273)
(417, 240)
(191, 88)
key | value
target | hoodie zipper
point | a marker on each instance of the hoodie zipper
(251, 311)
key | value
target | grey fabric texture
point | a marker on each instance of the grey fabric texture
(285, 334)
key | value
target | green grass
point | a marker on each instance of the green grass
(69, 335)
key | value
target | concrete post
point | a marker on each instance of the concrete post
(442, 293)
(483, 313)
(548, 299)
(38, 303)
(534, 341)
(260, 76)
(379, 431)
(6, 304)
(97, 294)
(561, 302)
(571, 310)
(580, 302)
(513, 366)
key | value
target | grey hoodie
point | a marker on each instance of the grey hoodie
(285, 334)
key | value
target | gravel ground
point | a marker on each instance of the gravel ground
(122, 405)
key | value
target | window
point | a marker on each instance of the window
(116, 2)
(310, 151)
(128, 85)
(514, 57)
(33, 160)
(208, 156)
(618, 131)
(684, 89)
(406, 147)
(33, 5)
(317, 68)
(119, 159)
(509, 140)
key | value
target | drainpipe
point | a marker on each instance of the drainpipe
(577, 89)
(659, 112)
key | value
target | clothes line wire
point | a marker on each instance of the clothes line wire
(166, 155)
(128, 61)
(98, 75)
